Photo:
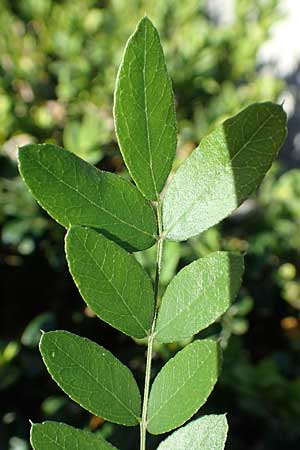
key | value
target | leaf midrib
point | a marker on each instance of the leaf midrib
(101, 208)
(116, 290)
(181, 387)
(189, 306)
(96, 381)
(200, 437)
(51, 439)
(214, 181)
(55, 442)
(208, 432)
(146, 112)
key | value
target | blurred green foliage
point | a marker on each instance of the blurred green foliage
(59, 61)
(58, 64)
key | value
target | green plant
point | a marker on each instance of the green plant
(58, 66)
(107, 217)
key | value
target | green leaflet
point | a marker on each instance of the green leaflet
(183, 386)
(218, 176)
(58, 436)
(198, 295)
(114, 285)
(75, 193)
(92, 377)
(206, 433)
(144, 111)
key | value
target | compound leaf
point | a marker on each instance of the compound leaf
(58, 436)
(75, 193)
(198, 295)
(113, 284)
(183, 386)
(144, 111)
(92, 377)
(218, 176)
(206, 433)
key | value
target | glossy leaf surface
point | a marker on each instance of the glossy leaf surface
(113, 284)
(75, 193)
(144, 111)
(92, 377)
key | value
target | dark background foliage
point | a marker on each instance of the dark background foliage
(58, 63)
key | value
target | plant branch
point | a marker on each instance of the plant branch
(143, 424)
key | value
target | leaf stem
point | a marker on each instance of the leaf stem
(143, 423)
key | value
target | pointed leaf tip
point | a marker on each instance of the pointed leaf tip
(228, 166)
(110, 390)
(186, 380)
(75, 192)
(59, 436)
(198, 295)
(144, 111)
